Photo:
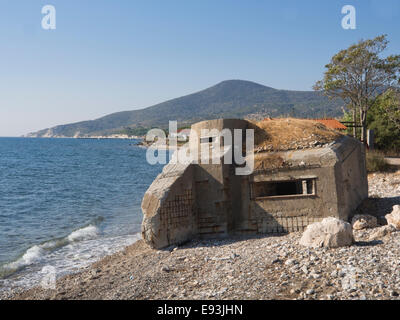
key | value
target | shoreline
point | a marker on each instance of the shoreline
(267, 268)
(256, 267)
(29, 276)
(90, 138)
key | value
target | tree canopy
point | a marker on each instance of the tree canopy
(359, 75)
(382, 119)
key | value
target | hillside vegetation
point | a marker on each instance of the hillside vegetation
(228, 99)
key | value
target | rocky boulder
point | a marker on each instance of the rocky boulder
(394, 217)
(330, 232)
(381, 232)
(364, 221)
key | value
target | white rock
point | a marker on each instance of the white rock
(394, 217)
(310, 291)
(364, 221)
(304, 269)
(330, 232)
(381, 232)
(290, 262)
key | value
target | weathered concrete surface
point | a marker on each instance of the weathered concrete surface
(199, 130)
(168, 207)
(341, 185)
(211, 201)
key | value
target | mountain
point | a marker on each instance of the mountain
(228, 99)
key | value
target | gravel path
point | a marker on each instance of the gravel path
(256, 268)
(393, 161)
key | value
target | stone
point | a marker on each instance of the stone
(394, 293)
(275, 260)
(304, 269)
(165, 269)
(95, 271)
(381, 232)
(364, 221)
(394, 217)
(290, 262)
(330, 233)
(315, 276)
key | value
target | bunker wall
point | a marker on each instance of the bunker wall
(169, 207)
(287, 213)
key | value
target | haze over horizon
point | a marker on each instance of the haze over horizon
(127, 55)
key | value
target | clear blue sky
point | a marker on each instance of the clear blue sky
(107, 56)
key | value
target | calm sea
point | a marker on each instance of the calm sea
(66, 203)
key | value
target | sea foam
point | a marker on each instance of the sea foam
(66, 259)
(87, 233)
(35, 253)
(32, 255)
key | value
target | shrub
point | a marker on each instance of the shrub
(376, 162)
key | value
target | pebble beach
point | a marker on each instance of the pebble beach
(273, 267)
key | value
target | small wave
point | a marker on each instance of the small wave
(35, 253)
(87, 233)
(67, 259)
(31, 256)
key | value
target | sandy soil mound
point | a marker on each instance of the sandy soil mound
(291, 134)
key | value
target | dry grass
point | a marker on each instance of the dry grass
(268, 161)
(376, 162)
(290, 134)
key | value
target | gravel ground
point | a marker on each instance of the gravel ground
(274, 267)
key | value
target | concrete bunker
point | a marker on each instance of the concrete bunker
(303, 172)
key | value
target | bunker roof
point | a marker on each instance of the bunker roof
(332, 124)
(286, 134)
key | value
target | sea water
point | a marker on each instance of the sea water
(66, 203)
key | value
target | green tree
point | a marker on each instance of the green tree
(390, 102)
(348, 116)
(359, 75)
(382, 119)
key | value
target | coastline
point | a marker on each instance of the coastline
(141, 143)
(78, 203)
(267, 268)
(122, 137)
(67, 259)
(258, 267)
